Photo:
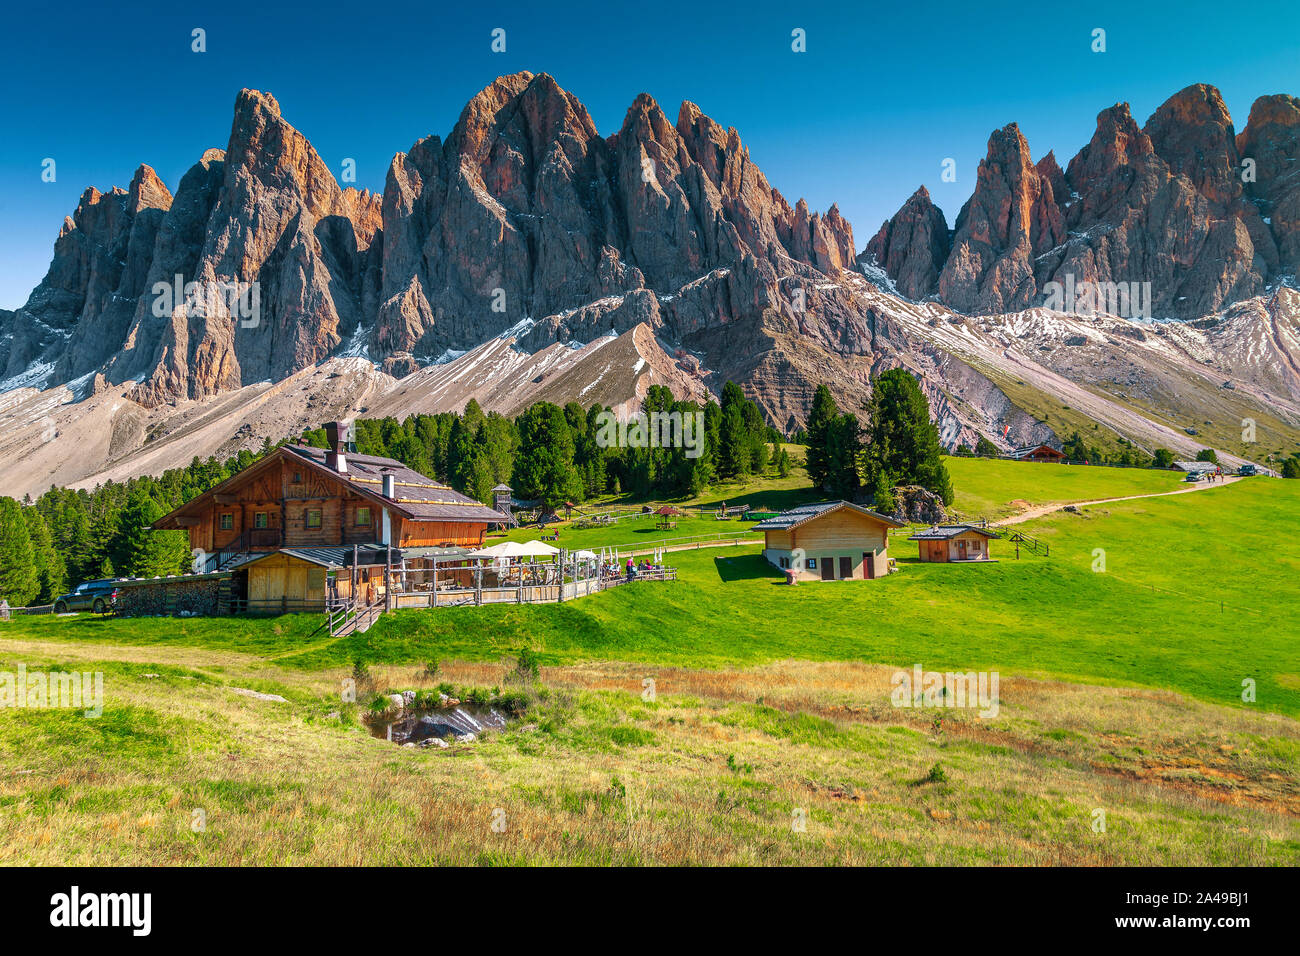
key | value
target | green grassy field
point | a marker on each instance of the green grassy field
(1175, 579)
(1184, 603)
(1121, 689)
(992, 488)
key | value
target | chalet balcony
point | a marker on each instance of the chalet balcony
(250, 539)
(260, 539)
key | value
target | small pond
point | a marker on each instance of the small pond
(464, 722)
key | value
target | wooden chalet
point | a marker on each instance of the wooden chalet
(955, 543)
(1043, 452)
(830, 541)
(284, 526)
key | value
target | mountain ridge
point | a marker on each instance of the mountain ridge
(526, 223)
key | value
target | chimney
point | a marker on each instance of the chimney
(339, 437)
(390, 484)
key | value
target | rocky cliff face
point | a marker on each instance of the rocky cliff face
(526, 223)
(1173, 204)
(275, 221)
(1011, 220)
(1272, 140)
(912, 247)
(77, 318)
(526, 216)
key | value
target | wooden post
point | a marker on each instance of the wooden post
(478, 582)
(388, 577)
(435, 582)
(560, 564)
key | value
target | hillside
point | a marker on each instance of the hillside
(1119, 690)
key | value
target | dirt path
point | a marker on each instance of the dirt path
(1038, 511)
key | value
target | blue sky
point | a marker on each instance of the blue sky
(884, 93)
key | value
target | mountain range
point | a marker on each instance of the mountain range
(527, 257)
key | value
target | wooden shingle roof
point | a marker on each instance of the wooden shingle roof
(415, 496)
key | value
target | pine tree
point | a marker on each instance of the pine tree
(19, 581)
(820, 418)
(843, 451)
(544, 466)
(882, 494)
(735, 455)
(50, 570)
(147, 553)
(903, 441)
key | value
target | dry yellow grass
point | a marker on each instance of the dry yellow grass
(717, 770)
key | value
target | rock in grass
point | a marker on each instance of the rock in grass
(257, 695)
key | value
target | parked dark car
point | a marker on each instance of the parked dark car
(1247, 471)
(97, 596)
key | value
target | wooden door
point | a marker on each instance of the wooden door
(828, 569)
(846, 568)
(961, 550)
(869, 565)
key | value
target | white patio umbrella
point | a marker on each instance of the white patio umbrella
(537, 549)
(515, 549)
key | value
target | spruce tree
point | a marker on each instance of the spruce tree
(820, 418)
(146, 553)
(843, 451)
(903, 441)
(735, 456)
(544, 466)
(19, 581)
(50, 570)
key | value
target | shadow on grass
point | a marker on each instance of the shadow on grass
(746, 567)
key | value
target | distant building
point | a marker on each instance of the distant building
(1194, 467)
(830, 541)
(954, 542)
(1043, 452)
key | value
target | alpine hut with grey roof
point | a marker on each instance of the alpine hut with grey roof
(954, 543)
(829, 541)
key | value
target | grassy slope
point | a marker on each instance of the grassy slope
(712, 771)
(988, 487)
(1152, 618)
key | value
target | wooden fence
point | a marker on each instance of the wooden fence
(38, 609)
